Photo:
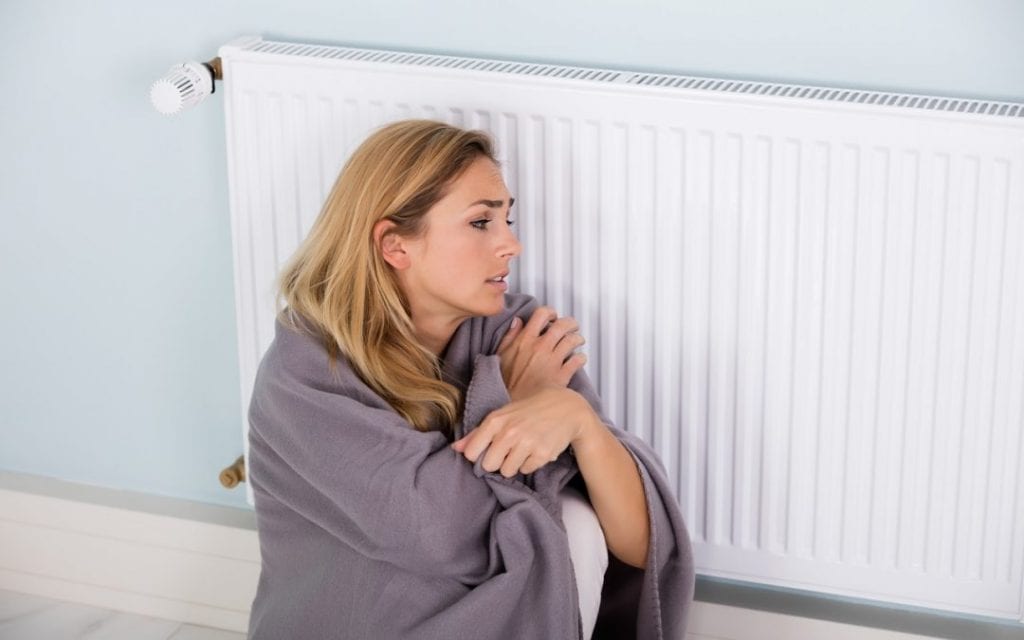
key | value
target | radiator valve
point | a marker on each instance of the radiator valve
(184, 86)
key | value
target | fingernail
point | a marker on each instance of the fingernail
(515, 322)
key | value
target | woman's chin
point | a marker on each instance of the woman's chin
(494, 307)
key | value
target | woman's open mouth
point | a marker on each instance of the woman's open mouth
(498, 282)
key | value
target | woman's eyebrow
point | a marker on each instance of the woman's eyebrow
(495, 203)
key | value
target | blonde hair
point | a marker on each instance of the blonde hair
(338, 281)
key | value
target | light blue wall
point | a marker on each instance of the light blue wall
(117, 339)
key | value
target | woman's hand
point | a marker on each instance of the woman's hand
(525, 435)
(533, 359)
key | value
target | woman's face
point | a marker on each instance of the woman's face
(449, 270)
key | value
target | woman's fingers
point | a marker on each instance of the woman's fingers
(566, 345)
(558, 330)
(571, 366)
(538, 353)
(514, 460)
(474, 444)
(541, 316)
(513, 331)
(494, 456)
(481, 441)
(550, 331)
(513, 456)
(525, 435)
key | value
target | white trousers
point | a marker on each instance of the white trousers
(589, 553)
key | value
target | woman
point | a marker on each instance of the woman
(428, 457)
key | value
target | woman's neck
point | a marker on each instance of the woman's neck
(436, 334)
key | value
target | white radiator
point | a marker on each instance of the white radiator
(810, 301)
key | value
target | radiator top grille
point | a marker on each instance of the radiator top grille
(663, 80)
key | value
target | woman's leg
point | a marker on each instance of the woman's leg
(589, 552)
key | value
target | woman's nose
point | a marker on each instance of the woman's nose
(510, 245)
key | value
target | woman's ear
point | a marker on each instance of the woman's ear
(390, 245)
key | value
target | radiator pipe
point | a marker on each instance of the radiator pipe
(215, 68)
(231, 476)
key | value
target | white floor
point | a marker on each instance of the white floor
(29, 617)
(25, 617)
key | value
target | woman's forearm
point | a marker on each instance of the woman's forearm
(616, 491)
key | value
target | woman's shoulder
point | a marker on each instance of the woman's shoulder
(297, 345)
(298, 357)
(517, 305)
(486, 331)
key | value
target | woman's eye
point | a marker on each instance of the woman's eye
(482, 224)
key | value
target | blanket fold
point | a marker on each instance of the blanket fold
(371, 529)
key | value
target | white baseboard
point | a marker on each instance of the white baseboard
(164, 566)
(710, 621)
(163, 562)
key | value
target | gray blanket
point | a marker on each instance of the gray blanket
(371, 529)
